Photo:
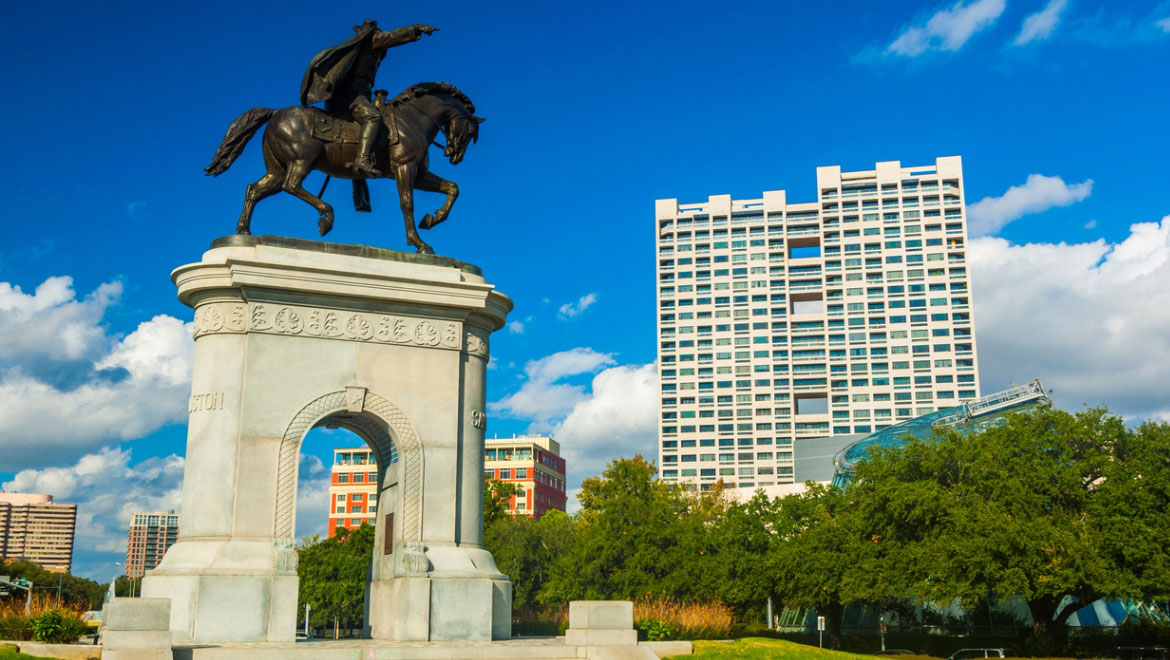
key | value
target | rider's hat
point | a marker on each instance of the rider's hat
(368, 23)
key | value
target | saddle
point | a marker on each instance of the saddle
(341, 131)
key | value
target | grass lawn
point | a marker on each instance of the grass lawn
(9, 652)
(760, 647)
(774, 649)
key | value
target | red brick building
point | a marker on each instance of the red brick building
(533, 463)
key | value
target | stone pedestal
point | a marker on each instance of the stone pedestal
(601, 623)
(292, 335)
(137, 629)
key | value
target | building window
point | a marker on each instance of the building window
(343, 478)
(521, 473)
(505, 473)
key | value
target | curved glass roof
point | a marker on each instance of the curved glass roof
(968, 417)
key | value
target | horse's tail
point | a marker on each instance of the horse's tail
(236, 138)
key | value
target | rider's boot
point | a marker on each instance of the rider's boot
(363, 165)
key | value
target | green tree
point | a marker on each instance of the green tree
(818, 557)
(630, 539)
(1130, 508)
(496, 498)
(525, 550)
(1029, 508)
(75, 591)
(333, 574)
(744, 536)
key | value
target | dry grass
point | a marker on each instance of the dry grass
(686, 620)
(15, 625)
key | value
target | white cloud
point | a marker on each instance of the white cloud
(569, 310)
(1092, 224)
(312, 497)
(51, 323)
(541, 397)
(1038, 193)
(619, 418)
(1039, 26)
(107, 489)
(947, 29)
(1088, 319)
(516, 327)
(126, 390)
(1164, 24)
(615, 416)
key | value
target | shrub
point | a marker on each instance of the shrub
(57, 627)
(653, 630)
(15, 627)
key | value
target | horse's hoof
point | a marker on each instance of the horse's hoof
(427, 222)
(425, 249)
(324, 226)
(243, 232)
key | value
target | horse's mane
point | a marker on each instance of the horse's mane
(424, 88)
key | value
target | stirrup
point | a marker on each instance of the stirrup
(365, 166)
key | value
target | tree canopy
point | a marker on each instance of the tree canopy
(333, 574)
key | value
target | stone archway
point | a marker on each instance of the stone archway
(290, 334)
(379, 422)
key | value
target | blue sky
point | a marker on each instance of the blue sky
(593, 111)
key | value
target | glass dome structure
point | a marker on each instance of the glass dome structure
(968, 417)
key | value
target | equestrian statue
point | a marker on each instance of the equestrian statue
(356, 136)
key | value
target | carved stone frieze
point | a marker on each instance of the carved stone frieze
(414, 559)
(238, 318)
(477, 343)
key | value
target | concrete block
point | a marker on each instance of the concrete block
(668, 649)
(135, 640)
(63, 651)
(461, 608)
(138, 654)
(233, 608)
(601, 614)
(400, 609)
(127, 614)
(619, 653)
(501, 609)
(282, 620)
(588, 637)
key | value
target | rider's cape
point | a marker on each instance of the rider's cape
(329, 68)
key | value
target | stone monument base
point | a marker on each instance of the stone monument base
(450, 608)
(541, 648)
(292, 335)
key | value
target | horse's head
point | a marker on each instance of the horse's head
(461, 130)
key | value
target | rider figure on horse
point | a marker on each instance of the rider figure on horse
(343, 77)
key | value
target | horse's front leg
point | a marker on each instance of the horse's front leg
(404, 175)
(430, 182)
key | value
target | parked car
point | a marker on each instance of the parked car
(964, 654)
(895, 652)
(1141, 653)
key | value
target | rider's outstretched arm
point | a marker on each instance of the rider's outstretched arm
(403, 35)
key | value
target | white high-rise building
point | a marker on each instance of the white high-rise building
(779, 322)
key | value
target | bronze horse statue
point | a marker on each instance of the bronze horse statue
(301, 139)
